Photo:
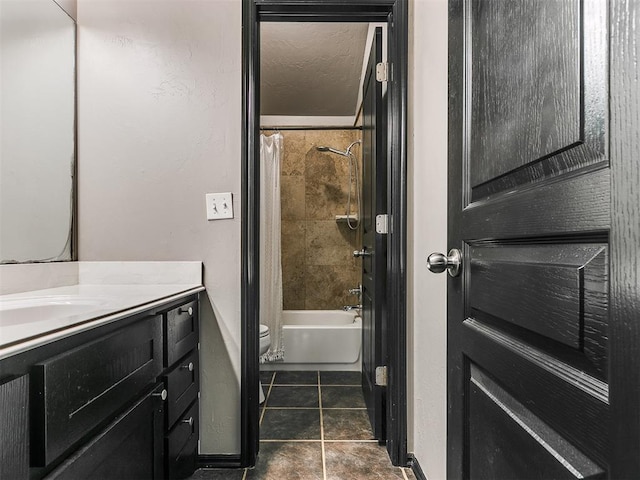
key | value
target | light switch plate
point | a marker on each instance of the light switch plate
(219, 205)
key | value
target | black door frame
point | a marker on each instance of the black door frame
(395, 13)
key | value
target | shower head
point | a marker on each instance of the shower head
(323, 148)
(346, 153)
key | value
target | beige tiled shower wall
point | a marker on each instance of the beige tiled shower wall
(318, 267)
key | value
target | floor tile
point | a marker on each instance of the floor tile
(297, 378)
(217, 474)
(290, 424)
(265, 378)
(409, 473)
(346, 425)
(342, 397)
(359, 461)
(340, 378)
(288, 461)
(306, 397)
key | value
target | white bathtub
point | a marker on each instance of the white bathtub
(320, 340)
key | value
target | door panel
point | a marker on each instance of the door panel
(529, 187)
(537, 91)
(374, 185)
(501, 424)
(561, 293)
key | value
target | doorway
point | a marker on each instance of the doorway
(394, 13)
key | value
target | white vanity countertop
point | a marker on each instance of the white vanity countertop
(33, 318)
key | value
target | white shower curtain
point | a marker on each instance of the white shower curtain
(270, 250)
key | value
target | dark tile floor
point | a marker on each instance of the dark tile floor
(314, 426)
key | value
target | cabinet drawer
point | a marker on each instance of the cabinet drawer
(129, 448)
(181, 331)
(182, 386)
(80, 389)
(182, 444)
(14, 428)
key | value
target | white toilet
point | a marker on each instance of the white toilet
(265, 343)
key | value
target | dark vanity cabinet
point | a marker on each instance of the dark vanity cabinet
(182, 383)
(14, 428)
(130, 447)
(76, 390)
(117, 402)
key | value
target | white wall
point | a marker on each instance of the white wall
(160, 116)
(427, 233)
(159, 88)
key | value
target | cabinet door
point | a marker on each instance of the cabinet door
(181, 332)
(182, 444)
(14, 428)
(129, 448)
(76, 391)
(182, 386)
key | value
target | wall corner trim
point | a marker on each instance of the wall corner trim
(415, 467)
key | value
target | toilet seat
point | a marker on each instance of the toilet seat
(264, 331)
(265, 344)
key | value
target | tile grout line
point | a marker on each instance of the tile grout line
(344, 408)
(311, 385)
(346, 440)
(311, 440)
(277, 407)
(266, 399)
(291, 440)
(294, 385)
(292, 408)
(324, 460)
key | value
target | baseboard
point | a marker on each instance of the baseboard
(415, 467)
(219, 461)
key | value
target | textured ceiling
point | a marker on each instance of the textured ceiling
(311, 69)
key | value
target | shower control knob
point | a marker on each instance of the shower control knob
(356, 291)
(361, 253)
(438, 262)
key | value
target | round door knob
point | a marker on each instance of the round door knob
(188, 367)
(438, 262)
(188, 310)
(188, 421)
(162, 394)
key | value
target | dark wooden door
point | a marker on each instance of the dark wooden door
(374, 263)
(537, 362)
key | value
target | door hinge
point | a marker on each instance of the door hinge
(382, 224)
(382, 71)
(381, 376)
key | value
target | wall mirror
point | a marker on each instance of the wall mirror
(37, 131)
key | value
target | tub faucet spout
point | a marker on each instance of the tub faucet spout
(348, 308)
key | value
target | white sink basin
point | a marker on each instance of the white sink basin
(20, 311)
(51, 300)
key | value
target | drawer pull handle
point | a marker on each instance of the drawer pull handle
(162, 394)
(187, 367)
(188, 310)
(189, 421)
